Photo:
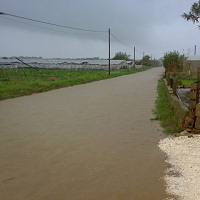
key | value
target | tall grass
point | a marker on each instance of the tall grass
(164, 112)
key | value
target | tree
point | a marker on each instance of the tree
(194, 13)
(173, 61)
(146, 60)
(121, 56)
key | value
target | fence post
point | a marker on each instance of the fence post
(193, 100)
(168, 78)
(175, 85)
(198, 84)
(109, 51)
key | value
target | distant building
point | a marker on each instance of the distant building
(76, 64)
(191, 64)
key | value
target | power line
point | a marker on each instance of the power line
(39, 26)
(52, 24)
(121, 41)
(33, 25)
(57, 25)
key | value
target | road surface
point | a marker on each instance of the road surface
(87, 142)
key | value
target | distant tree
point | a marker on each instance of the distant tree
(194, 13)
(156, 63)
(121, 56)
(146, 60)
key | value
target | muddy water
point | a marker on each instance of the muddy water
(86, 142)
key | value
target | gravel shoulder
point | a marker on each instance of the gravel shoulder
(183, 158)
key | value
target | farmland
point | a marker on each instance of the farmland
(15, 82)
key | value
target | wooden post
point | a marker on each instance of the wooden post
(195, 97)
(190, 120)
(175, 85)
(168, 78)
(198, 84)
(193, 100)
(109, 51)
(134, 57)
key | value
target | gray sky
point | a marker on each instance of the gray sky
(153, 26)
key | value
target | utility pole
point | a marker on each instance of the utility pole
(109, 51)
(143, 54)
(134, 57)
(195, 49)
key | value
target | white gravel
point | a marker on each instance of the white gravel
(183, 174)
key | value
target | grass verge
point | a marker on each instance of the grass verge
(164, 112)
(20, 82)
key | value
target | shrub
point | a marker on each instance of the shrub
(173, 61)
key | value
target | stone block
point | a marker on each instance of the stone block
(191, 114)
(195, 131)
(194, 86)
(197, 110)
(193, 94)
(197, 123)
(189, 123)
(193, 104)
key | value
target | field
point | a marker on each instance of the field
(25, 81)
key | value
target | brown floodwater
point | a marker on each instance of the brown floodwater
(88, 142)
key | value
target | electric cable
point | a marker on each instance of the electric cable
(52, 24)
(40, 26)
(121, 41)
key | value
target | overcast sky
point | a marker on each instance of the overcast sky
(153, 26)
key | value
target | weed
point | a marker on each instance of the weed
(164, 112)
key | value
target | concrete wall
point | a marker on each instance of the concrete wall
(180, 109)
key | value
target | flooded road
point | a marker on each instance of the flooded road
(88, 142)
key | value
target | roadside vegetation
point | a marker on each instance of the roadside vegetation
(164, 112)
(187, 80)
(25, 81)
(145, 61)
(173, 61)
(121, 56)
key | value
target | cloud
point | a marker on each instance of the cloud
(153, 26)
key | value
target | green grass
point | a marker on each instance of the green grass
(187, 80)
(164, 112)
(26, 81)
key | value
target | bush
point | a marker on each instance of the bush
(173, 61)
